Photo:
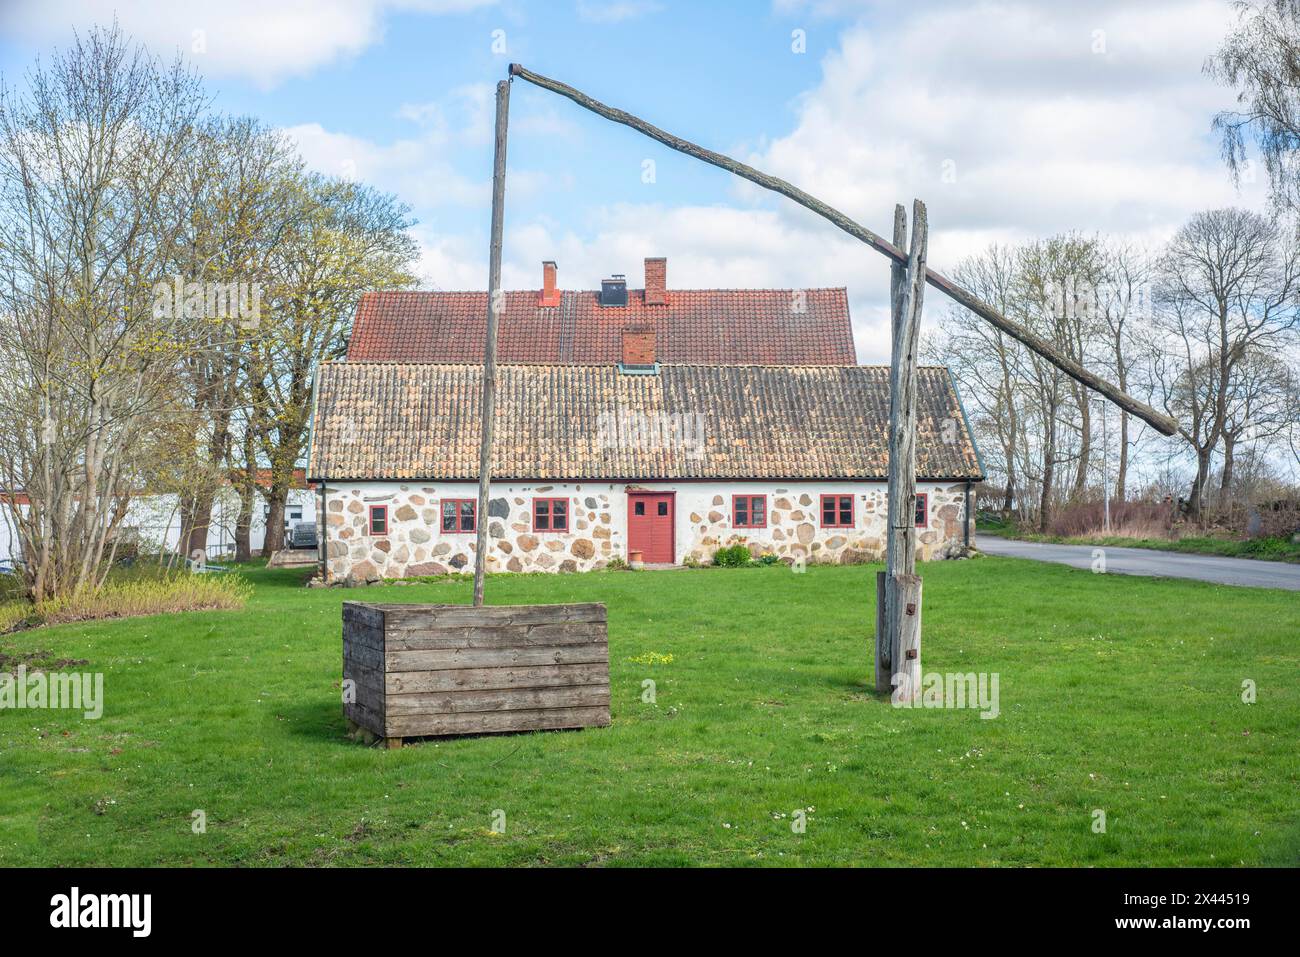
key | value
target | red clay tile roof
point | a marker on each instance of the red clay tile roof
(735, 326)
(409, 421)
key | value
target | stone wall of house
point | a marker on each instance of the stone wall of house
(415, 545)
(794, 522)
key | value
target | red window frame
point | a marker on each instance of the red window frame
(838, 508)
(754, 518)
(550, 514)
(380, 512)
(922, 516)
(456, 515)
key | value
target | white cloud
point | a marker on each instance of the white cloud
(1011, 120)
(262, 40)
(1043, 135)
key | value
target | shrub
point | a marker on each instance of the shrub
(617, 564)
(1127, 519)
(737, 556)
(128, 599)
(768, 559)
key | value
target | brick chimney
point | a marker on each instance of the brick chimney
(656, 281)
(550, 295)
(639, 346)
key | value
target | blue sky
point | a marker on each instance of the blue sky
(1011, 119)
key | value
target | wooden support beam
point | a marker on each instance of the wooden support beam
(907, 663)
(1161, 423)
(902, 587)
(495, 301)
(897, 283)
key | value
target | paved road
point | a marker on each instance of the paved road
(1145, 561)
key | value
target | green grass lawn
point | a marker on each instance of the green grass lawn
(1117, 693)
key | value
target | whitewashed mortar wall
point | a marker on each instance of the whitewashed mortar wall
(415, 544)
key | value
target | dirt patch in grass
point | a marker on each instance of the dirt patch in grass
(37, 659)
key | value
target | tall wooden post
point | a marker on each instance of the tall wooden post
(902, 617)
(495, 302)
(897, 280)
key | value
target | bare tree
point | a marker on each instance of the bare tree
(987, 366)
(1057, 286)
(1124, 305)
(88, 159)
(1227, 287)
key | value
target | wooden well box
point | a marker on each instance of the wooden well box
(454, 669)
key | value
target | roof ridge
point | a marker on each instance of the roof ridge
(596, 292)
(614, 367)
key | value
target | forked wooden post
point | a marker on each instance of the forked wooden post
(902, 618)
(490, 347)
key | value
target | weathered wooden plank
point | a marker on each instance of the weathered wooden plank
(498, 636)
(364, 635)
(372, 721)
(363, 656)
(368, 687)
(417, 725)
(495, 657)
(362, 614)
(512, 699)
(487, 679)
(398, 618)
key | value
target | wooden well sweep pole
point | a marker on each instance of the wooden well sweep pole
(902, 585)
(1163, 424)
(495, 302)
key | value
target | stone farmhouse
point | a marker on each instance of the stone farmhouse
(648, 423)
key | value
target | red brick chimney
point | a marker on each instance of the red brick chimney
(639, 345)
(550, 295)
(656, 281)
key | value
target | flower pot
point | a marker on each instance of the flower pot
(635, 559)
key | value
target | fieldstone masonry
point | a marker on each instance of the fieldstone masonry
(794, 527)
(416, 546)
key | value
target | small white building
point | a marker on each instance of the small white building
(153, 522)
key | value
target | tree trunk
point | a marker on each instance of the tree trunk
(1049, 476)
(1194, 498)
(247, 498)
(200, 519)
(1085, 445)
(244, 522)
(1229, 447)
(275, 500)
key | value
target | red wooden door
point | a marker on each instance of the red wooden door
(650, 526)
